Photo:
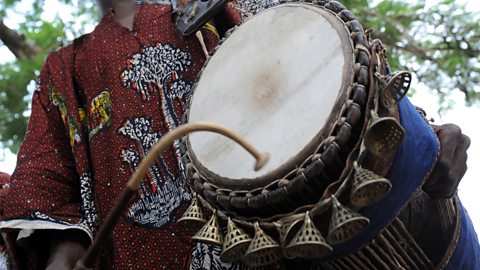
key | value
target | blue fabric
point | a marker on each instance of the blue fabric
(415, 158)
(466, 255)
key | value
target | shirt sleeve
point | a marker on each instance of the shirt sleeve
(44, 191)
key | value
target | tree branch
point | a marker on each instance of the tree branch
(17, 43)
(415, 49)
(411, 46)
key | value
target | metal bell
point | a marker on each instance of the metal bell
(344, 223)
(263, 250)
(286, 228)
(236, 243)
(394, 87)
(193, 213)
(384, 134)
(367, 187)
(210, 232)
(308, 243)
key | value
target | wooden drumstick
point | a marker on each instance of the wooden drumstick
(200, 38)
(134, 182)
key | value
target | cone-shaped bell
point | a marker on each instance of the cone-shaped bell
(394, 87)
(210, 233)
(286, 228)
(308, 243)
(367, 187)
(193, 213)
(263, 250)
(383, 135)
(344, 223)
(235, 244)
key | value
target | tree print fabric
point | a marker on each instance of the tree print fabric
(162, 192)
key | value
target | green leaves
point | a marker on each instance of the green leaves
(47, 35)
(439, 41)
(14, 79)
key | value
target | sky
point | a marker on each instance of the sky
(460, 115)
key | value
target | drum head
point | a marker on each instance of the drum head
(279, 80)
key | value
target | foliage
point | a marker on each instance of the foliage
(440, 43)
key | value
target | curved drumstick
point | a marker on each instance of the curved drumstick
(133, 183)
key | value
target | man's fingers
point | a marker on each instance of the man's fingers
(451, 164)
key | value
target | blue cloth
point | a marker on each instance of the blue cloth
(466, 255)
(416, 156)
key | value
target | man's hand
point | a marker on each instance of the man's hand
(451, 164)
(66, 248)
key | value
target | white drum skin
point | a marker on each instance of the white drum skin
(276, 81)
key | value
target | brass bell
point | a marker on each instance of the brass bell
(384, 134)
(286, 228)
(394, 87)
(344, 223)
(236, 243)
(210, 232)
(308, 243)
(193, 213)
(263, 250)
(367, 187)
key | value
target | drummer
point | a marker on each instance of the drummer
(98, 108)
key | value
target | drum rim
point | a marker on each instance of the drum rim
(309, 148)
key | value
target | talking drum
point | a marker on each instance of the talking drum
(304, 82)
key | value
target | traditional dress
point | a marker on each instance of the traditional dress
(100, 105)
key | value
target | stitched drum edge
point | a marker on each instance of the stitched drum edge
(328, 152)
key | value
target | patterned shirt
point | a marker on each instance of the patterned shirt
(101, 104)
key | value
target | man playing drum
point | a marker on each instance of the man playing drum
(100, 105)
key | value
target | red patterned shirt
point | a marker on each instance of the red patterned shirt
(101, 104)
